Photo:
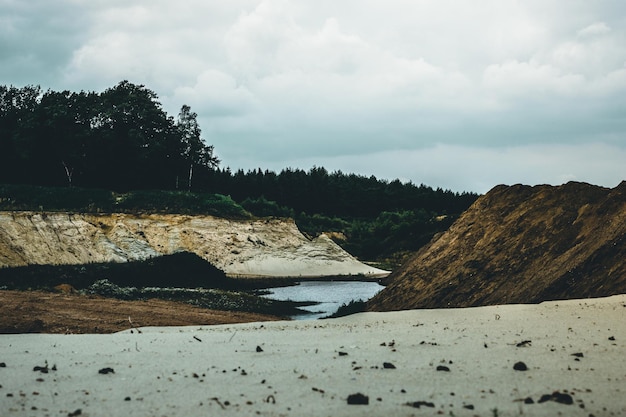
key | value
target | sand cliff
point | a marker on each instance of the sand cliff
(246, 248)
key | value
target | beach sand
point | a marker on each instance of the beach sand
(452, 362)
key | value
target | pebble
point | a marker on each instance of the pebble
(520, 366)
(358, 399)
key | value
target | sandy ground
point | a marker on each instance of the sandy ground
(557, 358)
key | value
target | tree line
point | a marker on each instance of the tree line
(123, 140)
(119, 139)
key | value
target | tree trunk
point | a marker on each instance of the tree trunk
(68, 173)
(190, 176)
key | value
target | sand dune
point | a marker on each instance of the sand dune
(459, 362)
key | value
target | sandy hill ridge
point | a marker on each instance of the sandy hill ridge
(241, 248)
(520, 244)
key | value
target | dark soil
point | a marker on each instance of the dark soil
(519, 244)
(45, 312)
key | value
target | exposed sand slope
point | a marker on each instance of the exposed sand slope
(574, 352)
(520, 244)
(268, 247)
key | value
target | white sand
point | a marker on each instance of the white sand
(310, 368)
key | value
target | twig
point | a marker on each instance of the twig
(133, 326)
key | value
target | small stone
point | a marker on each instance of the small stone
(578, 355)
(443, 368)
(3, 365)
(612, 338)
(469, 406)
(105, 371)
(259, 349)
(562, 398)
(389, 365)
(544, 398)
(559, 397)
(520, 366)
(528, 400)
(358, 399)
(419, 404)
(342, 353)
(42, 369)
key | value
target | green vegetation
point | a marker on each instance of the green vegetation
(352, 307)
(86, 200)
(215, 299)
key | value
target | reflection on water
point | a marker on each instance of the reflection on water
(330, 295)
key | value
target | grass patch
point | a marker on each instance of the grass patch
(353, 307)
(89, 200)
(211, 298)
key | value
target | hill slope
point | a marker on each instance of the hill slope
(519, 244)
(240, 248)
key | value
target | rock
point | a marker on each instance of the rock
(389, 365)
(419, 404)
(443, 368)
(358, 399)
(556, 396)
(259, 349)
(42, 369)
(562, 398)
(65, 289)
(105, 371)
(520, 366)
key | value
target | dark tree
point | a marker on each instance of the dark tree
(195, 152)
(17, 107)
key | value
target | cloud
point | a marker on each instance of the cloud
(513, 78)
(470, 168)
(595, 29)
(216, 94)
(278, 81)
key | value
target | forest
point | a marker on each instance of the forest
(121, 140)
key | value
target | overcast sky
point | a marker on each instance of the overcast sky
(462, 95)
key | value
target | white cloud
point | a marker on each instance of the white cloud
(529, 79)
(215, 94)
(595, 29)
(279, 80)
(478, 169)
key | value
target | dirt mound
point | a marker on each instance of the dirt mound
(44, 312)
(519, 244)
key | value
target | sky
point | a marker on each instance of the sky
(462, 95)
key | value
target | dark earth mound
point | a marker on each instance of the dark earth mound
(519, 244)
